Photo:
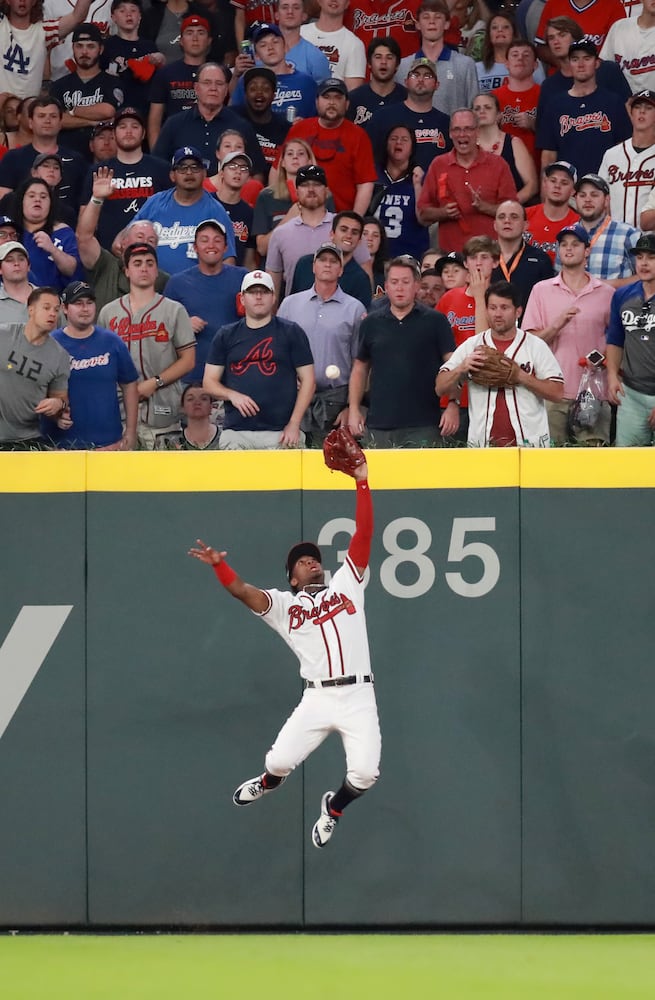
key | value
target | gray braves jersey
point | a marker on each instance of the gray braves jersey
(326, 631)
(153, 335)
(27, 373)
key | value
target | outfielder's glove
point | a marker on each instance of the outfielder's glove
(341, 451)
(497, 371)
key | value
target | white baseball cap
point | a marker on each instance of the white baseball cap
(257, 278)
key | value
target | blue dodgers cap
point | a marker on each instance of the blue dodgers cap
(576, 230)
(259, 31)
(188, 153)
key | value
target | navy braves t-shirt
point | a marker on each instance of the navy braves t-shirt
(133, 184)
(581, 129)
(261, 363)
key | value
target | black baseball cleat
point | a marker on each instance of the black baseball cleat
(251, 790)
(326, 823)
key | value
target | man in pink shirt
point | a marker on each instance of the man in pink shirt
(463, 188)
(571, 312)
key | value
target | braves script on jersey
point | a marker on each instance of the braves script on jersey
(326, 631)
(630, 174)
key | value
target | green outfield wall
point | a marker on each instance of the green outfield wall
(511, 620)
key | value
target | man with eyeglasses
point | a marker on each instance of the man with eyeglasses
(262, 368)
(177, 212)
(463, 188)
(631, 351)
(203, 125)
(234, 170)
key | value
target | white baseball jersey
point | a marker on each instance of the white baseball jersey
(344, 50)
(527, 412)
(630, 176)
(633, 48)
(326, 631)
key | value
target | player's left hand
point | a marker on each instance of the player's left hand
(206, 554)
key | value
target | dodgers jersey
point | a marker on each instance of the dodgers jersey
(326, 631)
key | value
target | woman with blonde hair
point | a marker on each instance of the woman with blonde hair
(513, 150)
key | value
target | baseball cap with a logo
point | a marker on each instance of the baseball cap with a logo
(423, 63)
(329, 248)
(75, 291)
(260, 31)
(194, 21)
(564, 165)
(584, 45)
(257, 279)
(595, 179)
(311, 172)
(451, 258)
(643, 97)
(188, 153)
(576, 230)
(332, 83)
(645, 244)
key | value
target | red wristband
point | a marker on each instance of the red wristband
(362, 484)
(224, 573)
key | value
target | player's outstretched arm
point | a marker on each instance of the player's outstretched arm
(252, 597)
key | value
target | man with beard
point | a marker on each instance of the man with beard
(87, 95)
(136, 176)
(612, 241)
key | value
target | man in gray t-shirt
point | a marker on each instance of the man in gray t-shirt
(34, 373)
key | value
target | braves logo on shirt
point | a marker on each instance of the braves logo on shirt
(631, 178)
(582, 123)
(260, 356)
(320, 613)
(331, 52)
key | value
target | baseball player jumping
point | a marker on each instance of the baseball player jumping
(325, 626)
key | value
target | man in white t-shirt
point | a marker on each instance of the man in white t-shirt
(344, 50)
(25, 41)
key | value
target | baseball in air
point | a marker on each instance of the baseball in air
(332, 371)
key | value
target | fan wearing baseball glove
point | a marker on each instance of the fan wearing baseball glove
(511, 375)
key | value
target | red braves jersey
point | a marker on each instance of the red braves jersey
(630, 176)
(459, 309)
(513, 103)
(256, 11)
(326, 631)
(595, 19)
(369, 19)
(540, 231)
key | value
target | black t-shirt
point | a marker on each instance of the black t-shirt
(133, 183)
(270, 135)
(405, 357)
(15, 167)
(532, 266)
(73, 93)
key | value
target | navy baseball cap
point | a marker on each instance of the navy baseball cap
(564, 165)
(188, 153)
(260, 31)
(576, 230)
(643, 97)
(584, 45)
(300, 550)
(7, 223)
(75, 291)
(332, 83)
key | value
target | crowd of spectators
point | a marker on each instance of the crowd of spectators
(236, 225)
